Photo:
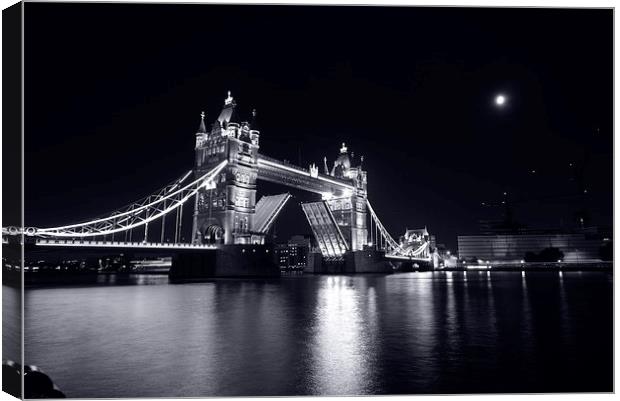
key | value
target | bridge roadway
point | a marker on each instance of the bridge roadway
(61, 243)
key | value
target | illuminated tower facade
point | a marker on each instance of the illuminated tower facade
(350, 210)
(224, 213)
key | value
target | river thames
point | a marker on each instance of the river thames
(407, 333)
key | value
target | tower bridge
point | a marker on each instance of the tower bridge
(227, 217)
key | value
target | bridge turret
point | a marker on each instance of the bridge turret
(228, 122)
(202, 129)
(314, 171)
(254, 129)
(342, 163)
(226, 212)
(349, 210)
(201, 134)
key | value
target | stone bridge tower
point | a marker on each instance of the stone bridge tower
(350, 211)
(224, 214)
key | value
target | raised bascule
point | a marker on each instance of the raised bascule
(230, 227)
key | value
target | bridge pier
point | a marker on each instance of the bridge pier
(226, 261)
(410, 266)
(366, 261)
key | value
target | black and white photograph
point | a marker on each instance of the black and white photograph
(248, 200)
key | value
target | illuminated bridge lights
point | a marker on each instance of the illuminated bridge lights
(120, 244)
(393, 250)
(138, 214)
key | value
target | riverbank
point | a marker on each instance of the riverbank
(534, 266)
(12, 278)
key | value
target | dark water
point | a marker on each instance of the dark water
(11, 324)
(404, 333)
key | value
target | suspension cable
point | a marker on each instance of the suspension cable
(114, 223)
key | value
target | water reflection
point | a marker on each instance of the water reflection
(421, 316)
(492, 314)
(489, 287)
(342, 347)
(427, 332)
(451, 328)
(564, 313)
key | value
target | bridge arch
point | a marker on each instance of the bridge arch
(212, 234)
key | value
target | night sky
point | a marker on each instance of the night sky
(113, 95)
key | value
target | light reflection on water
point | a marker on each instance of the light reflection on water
(425, 332)
(342, 344)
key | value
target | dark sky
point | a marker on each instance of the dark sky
(114, 94)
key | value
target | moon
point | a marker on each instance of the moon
(500, 100)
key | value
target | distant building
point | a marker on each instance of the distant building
(502, 238)
(294, 254)
(579, 246)
(281, 255)
(413, 239)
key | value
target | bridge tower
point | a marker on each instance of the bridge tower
(350, 211)
(224, 212)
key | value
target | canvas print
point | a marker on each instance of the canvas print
(206, 200)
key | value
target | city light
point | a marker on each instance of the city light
(500, 100)
(478, 267)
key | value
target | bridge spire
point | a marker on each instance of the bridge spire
(229, 113)
(229, 99)
(254, 122)
(202, 129)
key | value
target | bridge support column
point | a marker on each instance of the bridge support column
(366, 261)
(225, 212)
(226, 261)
